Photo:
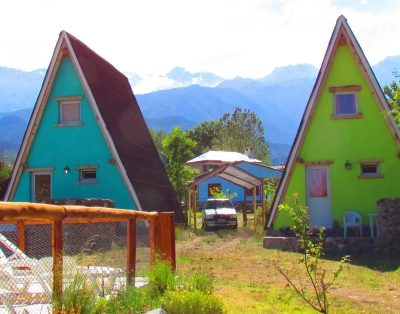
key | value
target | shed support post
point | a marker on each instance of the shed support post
(244, 208)
(189, 210)
(131, 259)
(255, 206)
(263, 202)
(195, 210)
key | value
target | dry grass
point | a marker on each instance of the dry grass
(248, 282)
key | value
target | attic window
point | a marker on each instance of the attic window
(69, 111)
(345, 101)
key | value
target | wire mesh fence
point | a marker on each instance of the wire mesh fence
(94, 254)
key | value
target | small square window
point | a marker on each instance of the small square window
(88, 175)
(369, 169)
(70, 113)
(346, 104)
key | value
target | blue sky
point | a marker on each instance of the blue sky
(227, 37)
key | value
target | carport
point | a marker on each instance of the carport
(234, 175)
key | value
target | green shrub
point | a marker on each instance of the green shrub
(79, 297)
(200, 281)
(132, 300)
(161, 278)
(194, 302)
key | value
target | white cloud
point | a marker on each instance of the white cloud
(227, 37)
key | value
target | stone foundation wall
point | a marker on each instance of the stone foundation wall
(98, 202)
(389, 219)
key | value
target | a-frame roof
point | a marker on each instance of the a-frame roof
(120, 120)
(342, 34)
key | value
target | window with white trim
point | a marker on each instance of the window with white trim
(370, 169)
(88, 175)
(69, 111)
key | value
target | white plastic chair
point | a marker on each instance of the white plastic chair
(352, 219)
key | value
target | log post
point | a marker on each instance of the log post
(244, 208)
(190, 206)
(263, 202)
(57, 247)
(195, 210)
(21, 235)
(131, 243)
(153, 223)
(255, 206)
(165, 237)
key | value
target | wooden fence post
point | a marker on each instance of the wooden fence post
(131, 243)
(21, 235)
(165, 237)
(153, 222)
(57, 247)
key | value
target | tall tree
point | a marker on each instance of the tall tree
(204, 135)
(158, 137)
(392, 93)
(242, 129)
(178, 149)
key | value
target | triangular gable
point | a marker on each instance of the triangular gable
(342, 34)
(120, 120)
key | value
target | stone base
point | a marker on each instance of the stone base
(340, 245)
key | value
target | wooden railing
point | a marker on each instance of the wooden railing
(161, 224)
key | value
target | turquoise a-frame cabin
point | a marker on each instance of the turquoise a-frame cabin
(87, 138)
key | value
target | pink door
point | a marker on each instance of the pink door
(318, 196)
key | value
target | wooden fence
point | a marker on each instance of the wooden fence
(161, 231)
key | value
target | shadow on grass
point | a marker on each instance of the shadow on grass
(375, 262)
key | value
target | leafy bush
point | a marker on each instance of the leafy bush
(195, 302)
(132, 300)
(197, 280)
(161, 278)
(78, 297)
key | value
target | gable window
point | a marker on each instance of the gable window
(69, 111)
(346, 104)
(88, 175)
(370, 169)
(345, 101)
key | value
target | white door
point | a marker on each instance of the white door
(318, 196)
(41, 186)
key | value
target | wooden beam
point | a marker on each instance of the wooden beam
(57, 247)
(263, 202)
(190, 206)
(131, 259)
(21, 235)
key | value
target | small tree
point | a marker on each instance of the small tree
(177, 148)
(392, 93)
(313, 250)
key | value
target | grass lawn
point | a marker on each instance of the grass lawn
(248, 282)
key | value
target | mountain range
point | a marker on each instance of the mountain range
(278, 99)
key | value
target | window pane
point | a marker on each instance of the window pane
(369, 169)
(42, 187)
(70, 112)
(317, 183)
(88, 174)
(345, 104)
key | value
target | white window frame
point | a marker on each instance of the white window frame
(83, 169)
(33, 175)
(366, 175)
(68, 101)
